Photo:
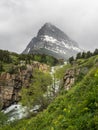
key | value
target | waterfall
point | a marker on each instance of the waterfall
(17, 111)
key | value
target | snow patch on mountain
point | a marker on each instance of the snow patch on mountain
(28, 49)
(71, 47)
(60, 43)
(49, 39)
(56, 50)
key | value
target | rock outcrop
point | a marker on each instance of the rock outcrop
(70, 77)
(11, 84)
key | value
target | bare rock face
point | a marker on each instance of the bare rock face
(70, 77)
(11, 84)
(50, 40)
(41, 67)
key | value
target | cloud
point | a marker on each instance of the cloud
(20, 20)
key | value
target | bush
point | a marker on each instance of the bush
(3, 119)
(13, 70)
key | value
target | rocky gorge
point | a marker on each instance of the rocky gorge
(11, 84)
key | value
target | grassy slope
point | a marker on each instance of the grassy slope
(76, 109)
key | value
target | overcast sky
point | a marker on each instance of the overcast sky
(20, 21)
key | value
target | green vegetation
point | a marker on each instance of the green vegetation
(3, 119)
(61, 71)
(34, 95)
(9, 61)
(40, 58)
(71, 59)
(86, 55)
(5, 56)
(76, 109)
(1, 66)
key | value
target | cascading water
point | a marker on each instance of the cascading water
(17, 111)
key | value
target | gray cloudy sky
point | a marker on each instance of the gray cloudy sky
(21, 19)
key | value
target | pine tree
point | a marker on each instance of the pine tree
(95, 52)
(71, 59)
(88, 54)
(78, 56)
(83, 55)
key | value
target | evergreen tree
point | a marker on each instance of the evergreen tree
(88, 54)
(71, 59)
(1, 67)
(78, 56)
(5, 56)
(83, 55)
(95, 52)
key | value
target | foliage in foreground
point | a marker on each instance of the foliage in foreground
(34, 95)
(76, 109)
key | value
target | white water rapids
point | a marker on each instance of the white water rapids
(17, 111)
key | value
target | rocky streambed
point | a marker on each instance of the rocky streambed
(10, 95)
(16, 110)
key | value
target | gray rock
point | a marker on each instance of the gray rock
(52, 41)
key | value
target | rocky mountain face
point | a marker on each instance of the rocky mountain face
(11, 84)
(52, 41)
(70, 78)
(72, 75)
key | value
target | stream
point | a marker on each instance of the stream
(17, 111)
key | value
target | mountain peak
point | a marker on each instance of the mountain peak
(48, 24)
(52, 31)
(46, 29)
(51, 40)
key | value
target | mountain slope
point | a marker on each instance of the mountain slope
(76, 109)
(52, 41)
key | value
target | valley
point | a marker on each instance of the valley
(51, 85)
(73, 106)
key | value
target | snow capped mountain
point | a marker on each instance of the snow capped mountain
(52, 41)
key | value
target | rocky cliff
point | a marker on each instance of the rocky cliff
(11, 84)
(70, 77)
(75, 74)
